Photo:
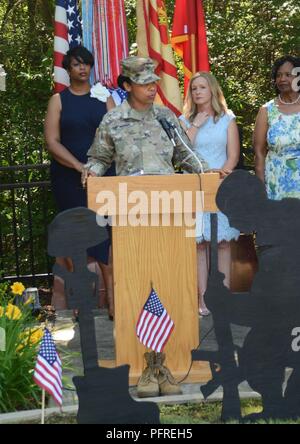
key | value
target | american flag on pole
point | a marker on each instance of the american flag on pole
(154, 326)
(67, 34)
(47, 372)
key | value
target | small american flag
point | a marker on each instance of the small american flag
(154, 325)
(47, 372)
(67, 34)
(118, 94)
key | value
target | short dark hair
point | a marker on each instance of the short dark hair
(121, 79)
(295, 61)
(79, 53)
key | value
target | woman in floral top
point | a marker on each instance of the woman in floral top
(277, 133)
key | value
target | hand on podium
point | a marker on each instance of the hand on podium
(223, 172)
(85, 173)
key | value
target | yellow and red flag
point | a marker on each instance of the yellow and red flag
(189, 37)
(153, 41)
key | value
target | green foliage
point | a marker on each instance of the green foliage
(244, 39)
(26, 43)
(196, 413)
(18, 391)
(17, 223)
(4, 293)
(210, 413)
(26, 53)
(130, 11)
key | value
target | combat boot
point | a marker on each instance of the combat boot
(167, 383)
(148, 383)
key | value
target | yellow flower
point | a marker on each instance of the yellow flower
(36, 335)
(13, 312)
(1, 311)
(17, 288)
(30, 337)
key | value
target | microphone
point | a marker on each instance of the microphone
(192, 154)
(166, 126)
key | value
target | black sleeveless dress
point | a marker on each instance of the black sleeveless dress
(80, 118)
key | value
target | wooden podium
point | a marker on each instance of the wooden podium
(160, 254)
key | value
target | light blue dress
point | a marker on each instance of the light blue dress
(211, 143)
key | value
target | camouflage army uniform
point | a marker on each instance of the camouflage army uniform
(135, 139)
(138, 143)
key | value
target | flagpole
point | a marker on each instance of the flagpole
(43, 390)
(43, 407)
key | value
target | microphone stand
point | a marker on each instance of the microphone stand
(173, 127)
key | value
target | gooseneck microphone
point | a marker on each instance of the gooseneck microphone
(167, 128)
(170, 129)
(192, 154)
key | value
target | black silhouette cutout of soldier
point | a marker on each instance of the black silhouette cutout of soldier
(272, 309)
(222, 362)
(102, 392)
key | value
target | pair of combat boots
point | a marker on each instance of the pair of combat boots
(156, 379)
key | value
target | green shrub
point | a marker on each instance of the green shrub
(18, 391)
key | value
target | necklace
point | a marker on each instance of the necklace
(288, 103)
(80, 92)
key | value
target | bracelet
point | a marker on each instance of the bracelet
(196, 126)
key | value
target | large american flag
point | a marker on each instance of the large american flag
(67, 34)
(154, 325)
(47, 372)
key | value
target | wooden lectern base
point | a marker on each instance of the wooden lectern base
(152, 247)
(200, 372)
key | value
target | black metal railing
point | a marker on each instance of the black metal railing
(26, 209)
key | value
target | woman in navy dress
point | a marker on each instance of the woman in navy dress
(72, 119)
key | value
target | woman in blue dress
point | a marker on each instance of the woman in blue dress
(277, 133)
(72, 119)
(212, 129)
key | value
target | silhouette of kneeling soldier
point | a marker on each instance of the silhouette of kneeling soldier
(271, 308)
(102, 392)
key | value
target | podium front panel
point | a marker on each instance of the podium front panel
(162, 255)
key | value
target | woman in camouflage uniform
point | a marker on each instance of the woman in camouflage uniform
(132, 135)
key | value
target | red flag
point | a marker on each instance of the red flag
(189, 37)
(153, 41)
(154, 325)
